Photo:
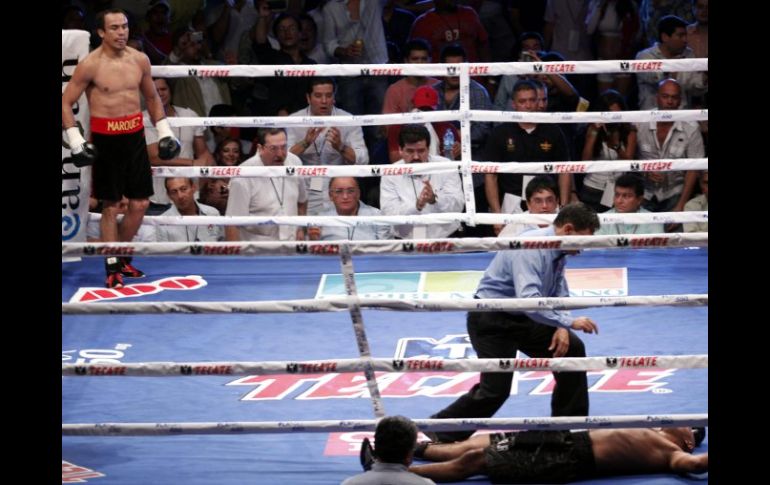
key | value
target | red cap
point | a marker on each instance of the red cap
(425, 97)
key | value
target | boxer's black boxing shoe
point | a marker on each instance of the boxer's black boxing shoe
(129, 270)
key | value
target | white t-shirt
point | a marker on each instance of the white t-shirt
(208, 233)
(398, 196)
(266, 196)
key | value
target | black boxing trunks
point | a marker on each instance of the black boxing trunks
(122, 166)
(539, 457)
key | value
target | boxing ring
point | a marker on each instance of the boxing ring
(162, 355)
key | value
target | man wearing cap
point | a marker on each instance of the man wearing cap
(449, 96)
(425, 98)
(399, 96)
(478, 99)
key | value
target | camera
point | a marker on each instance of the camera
(196, 36)
(277, 5)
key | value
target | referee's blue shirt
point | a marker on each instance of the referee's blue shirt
(529, 273)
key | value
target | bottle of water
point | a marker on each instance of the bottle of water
(448, 143)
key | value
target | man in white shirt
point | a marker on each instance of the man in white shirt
(424, 194)
(353, 34)
(672, 44)
(267, 196)
(332, 145)
(628, 198)
(669, 191)
(181, 191)
(345, 194)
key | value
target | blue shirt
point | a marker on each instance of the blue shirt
(529, 273)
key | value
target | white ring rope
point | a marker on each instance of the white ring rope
(251, 427)
(419, 246)
(423, 169)
(328, 366)
(439, 218)
(588, 116)
(304, 171)
(338, 304)
(436, 69)
(443, 115)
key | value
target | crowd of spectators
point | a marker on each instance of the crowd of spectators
(302, 32)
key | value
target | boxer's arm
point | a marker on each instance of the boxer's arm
(168, 144)
(83, 152)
